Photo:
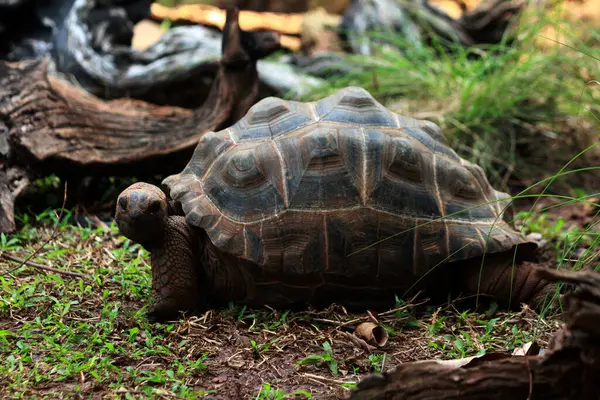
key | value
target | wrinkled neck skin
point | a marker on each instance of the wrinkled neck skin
(156, 241)
(174, 208)
(150, 245)
(221, 277)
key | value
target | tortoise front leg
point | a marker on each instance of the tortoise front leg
(175, 272)
(509, 284)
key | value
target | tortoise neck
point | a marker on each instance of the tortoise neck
(174, 208)
(151, 244)
(224, 277)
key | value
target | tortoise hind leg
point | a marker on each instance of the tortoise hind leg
(175, 272)
(509, 284)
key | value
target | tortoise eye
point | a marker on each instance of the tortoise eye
(154, 206)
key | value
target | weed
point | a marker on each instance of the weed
(258, 349)
(267, 392)
(326, 357)
(377, 362)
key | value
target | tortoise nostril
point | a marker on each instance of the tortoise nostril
(123, 203)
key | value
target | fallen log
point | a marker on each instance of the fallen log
(568, 369)
(49, 125)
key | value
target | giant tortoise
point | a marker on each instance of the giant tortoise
(334, 201)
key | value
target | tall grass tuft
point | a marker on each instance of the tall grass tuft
(518, 109)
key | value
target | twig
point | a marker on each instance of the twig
(335, 323)
(339, 325)
(358, 342)
(409, 304)
(372, 317)
(324, 379)
(42, 267)
(344, 325)
(56, 270)
(26, 261)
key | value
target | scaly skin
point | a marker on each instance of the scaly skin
(175, 272)
(143, 216)
(509, 285)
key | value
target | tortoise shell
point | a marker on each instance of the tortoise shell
(341, 186)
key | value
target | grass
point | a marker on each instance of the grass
(63, 335)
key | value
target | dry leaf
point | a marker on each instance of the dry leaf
(372, 332)
(528, 349)
(470, 361)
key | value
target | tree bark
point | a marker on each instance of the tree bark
(569, 369)
(48, 125)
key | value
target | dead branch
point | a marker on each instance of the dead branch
(54, 127)
(23, 262)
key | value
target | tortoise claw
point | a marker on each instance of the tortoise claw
(159, 314)
(163, 311)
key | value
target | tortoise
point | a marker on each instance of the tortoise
(339, 200)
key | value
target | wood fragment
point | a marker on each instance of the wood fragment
(145, 34)
(54, 127)
(204, 14)
(13, 180)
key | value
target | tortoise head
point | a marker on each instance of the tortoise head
(142, 212)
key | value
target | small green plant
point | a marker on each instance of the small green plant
(260, 320)
(258, 349)
(267, 392)
(405, 316)
(436, 325)
(326, 357)
(377, 362)
(348, 385)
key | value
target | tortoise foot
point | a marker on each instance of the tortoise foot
(165, 310)
(156, 313)
(172, 305)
